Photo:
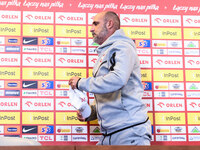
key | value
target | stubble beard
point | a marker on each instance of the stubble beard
(100, 38)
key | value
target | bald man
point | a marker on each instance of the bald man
(117, 86)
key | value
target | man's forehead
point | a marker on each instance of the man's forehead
(98, 17)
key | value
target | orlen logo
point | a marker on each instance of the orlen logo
(161, 104)
(62, 60)
(158, 20)
(29, 59)
(29, 17)
(61, 17)
(189, 20)
(159, 61)
(126, 19)
(191, 62)
(63, 104)
(193, 104)
(29, 103)
(94, 60)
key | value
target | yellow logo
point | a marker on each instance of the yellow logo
(70, 31)
(192, 75)
(9, 73)
(192, 33)
(67, 118)
(38, 73)
(38, 30)
(166, 33)
(10, 118)
(10, 29)
(169, 118)
(137, 32)
(146, 75)
(193, 118)
(37, 118)
(67, 73)
(168, 75)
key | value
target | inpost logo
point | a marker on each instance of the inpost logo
(67, 118)
(169, 118)
(37, 118)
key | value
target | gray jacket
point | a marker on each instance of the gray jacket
(116, 84)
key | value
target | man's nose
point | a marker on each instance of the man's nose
(92, 29)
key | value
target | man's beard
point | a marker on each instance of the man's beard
(100, 38)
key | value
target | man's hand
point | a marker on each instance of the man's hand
(79, 116)
(73, 81)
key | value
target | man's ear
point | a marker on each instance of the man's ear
(110, 24)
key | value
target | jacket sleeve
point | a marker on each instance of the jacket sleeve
(125, 59)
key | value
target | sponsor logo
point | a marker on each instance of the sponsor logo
(37, 17)
(168, 75)
(37, 104)
(10, 104)
(29, 84)
(10, 118)
(178, 129)
(38, 73)
(166, 20)
(12, 130)
(67, 73)
(45, 84)
(194, 137)
(169, 105)
(193, 129)
(12, 49)
(145, 61)
(45, 41)
(12, 84)
(161, 86)
(29, 129)
(70, 60)
(10, 16)
(143, 43)
(69, 118)
(167, 62)
(45, 129)
(31, 49)
(169, 118)
(79, 138)
(162, 129)
(94, 129)
(79, 129)
(191, 44)
(178, 137)
(143, 51)
(30, 137)
(29, 93)
(12, 40)
(95, 138)
(147, 94)
(147, 85)
(62, 85)
(30, 41)
(12, 92)
(63, 129)
(63, 137)
(70, 18)
(163, 138)
(64, 104)
(46, 138)
(37, 117)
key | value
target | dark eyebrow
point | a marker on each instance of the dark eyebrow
(95, 23)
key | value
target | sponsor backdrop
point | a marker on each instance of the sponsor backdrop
(44, 43)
